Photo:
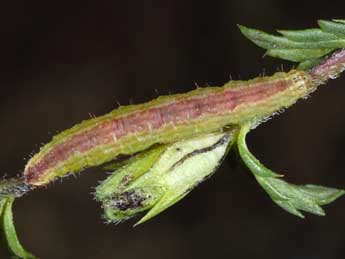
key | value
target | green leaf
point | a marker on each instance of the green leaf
(335, 28)
(308, 35)
(269, 41)
(325, 195)
(10, 233)
(299, 197)
(339, 20)
(293, 198)
(297, 55)
(306, 47)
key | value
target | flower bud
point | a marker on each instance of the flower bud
(156, 179)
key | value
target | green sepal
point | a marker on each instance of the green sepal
(169, 198)
(293, 198)
(306, 46)
(9, 230)
(128, 171)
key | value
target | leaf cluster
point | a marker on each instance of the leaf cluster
(306, 47)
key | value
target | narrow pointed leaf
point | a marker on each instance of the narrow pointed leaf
(308, 35)
(338, 20)
(265, 40)
(324, 195)
(297, 55)
(335, 28)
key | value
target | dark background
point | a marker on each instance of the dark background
(63, 60)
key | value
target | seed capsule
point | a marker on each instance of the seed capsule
(160, 177)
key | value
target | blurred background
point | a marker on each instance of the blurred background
(64, 61)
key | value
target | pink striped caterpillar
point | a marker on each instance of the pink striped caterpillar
(167, 119)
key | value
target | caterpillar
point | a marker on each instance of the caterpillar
(167, 119)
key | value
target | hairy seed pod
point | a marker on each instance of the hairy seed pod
(162, 176)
